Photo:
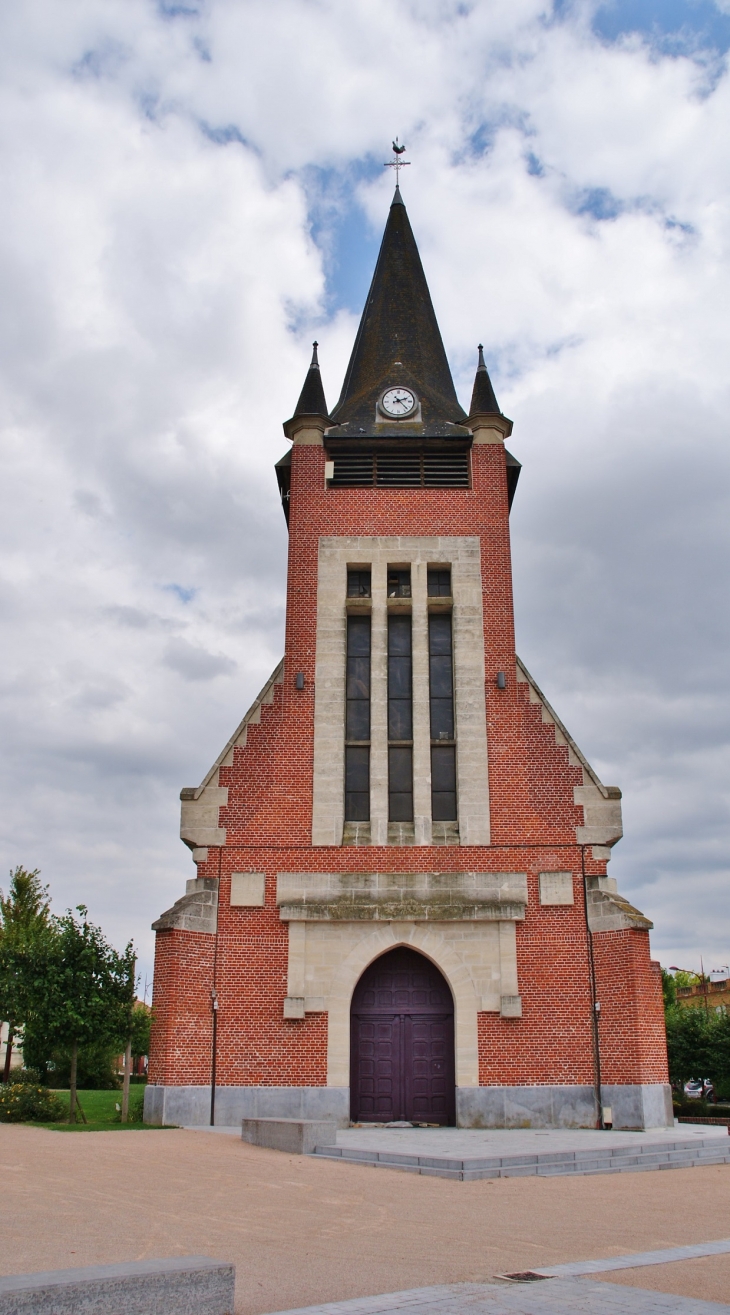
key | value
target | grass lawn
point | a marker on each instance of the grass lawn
(101, 1112)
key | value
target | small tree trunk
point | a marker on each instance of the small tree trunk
(125, 1086)
(8, 1053)
(72, 1083)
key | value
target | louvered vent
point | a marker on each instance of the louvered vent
(401, 470)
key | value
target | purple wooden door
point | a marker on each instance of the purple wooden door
(402, 1041)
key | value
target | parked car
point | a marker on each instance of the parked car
(699, 1089)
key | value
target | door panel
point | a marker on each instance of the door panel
(376, 1044)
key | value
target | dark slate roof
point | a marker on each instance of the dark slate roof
(483, 400)
(311, 399)
(398, 342)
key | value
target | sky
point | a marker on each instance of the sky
(191, 193)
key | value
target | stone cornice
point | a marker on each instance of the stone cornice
(396, 897)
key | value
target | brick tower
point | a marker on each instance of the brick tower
(401, 908)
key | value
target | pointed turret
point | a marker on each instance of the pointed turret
(311, 399)
(398, 346)
(483, 400)
(310, 411)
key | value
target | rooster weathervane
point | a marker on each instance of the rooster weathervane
(397, 163)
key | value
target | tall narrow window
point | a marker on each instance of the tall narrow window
(400, 719)
(443, 747)
(399, 582)
(439, 581)
(358, 584)
(357, 720)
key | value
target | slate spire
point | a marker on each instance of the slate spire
(311, 399)
(483, 400)
(398, 341)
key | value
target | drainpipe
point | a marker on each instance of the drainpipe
(595, 1006)
(214, 1000)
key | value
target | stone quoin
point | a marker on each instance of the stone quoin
(401, 909)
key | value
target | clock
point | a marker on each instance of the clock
(398, 402)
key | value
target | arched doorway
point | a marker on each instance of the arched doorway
(402, 1042)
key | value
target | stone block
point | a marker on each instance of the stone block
(556, 888)
(510, 1006)
(640, 1106)
(188, 1285)
(248, 889)
(296, 1136)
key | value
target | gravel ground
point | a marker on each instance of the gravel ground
(302, 1232)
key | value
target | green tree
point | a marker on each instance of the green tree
(698, 1044)
(87, 990)
(24, 925)
(669, 989)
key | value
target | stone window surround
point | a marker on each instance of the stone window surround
(463, 555)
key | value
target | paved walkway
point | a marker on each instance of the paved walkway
(551, 1297)
(463, 1143)
(471, 1154)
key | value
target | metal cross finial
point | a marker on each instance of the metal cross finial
(397, 163)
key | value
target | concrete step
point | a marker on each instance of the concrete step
(675, 1154)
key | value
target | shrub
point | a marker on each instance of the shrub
(23, 1103)
(26, 1077)
(136, 1108)
(94, 1072)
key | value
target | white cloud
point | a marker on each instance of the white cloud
(159, 289)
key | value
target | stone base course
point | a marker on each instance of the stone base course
(187, 1106)
(633, 1107)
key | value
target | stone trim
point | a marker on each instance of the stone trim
(601, 803)
(410, 896)
(196, 911)
(199, 815)
(435, 943)
(609, 911)
(327, 959)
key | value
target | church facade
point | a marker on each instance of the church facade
(401, 908)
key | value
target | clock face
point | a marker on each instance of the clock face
(398, 402)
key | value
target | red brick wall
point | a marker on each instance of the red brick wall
(182, 1019)
(552, 1043)
(629, 989)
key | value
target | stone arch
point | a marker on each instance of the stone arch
(429, 942)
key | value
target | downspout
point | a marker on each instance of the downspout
(595, 1006)
(214, 1000)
